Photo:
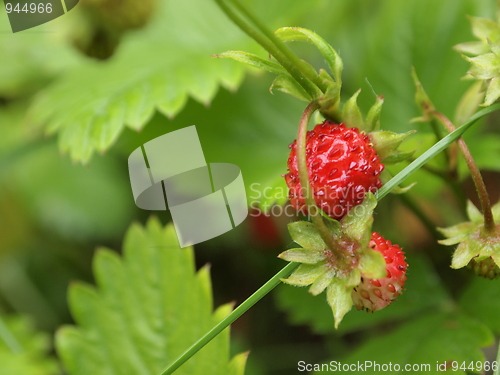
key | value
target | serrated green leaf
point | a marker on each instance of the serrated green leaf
(434, 339)
(289, 85)
(140, 317)
(331, 56)
(23, 350)
(157, 68)
(253, 60)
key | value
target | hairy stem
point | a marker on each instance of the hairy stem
(287, 59)
(489, 222)
(312, 209)
(228, 320)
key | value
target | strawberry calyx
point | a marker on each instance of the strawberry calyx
(477, 248)
(338, 276)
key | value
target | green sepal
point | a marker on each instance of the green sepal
(372, 121)
(305, 274)
(473, 213)
(421, 97)
(484, 66)
(464, 253)
(306, 235)
(475, 245)
(372, 264)
(492, 92)
(288, 85)
(386, 176)
(472, 48)
(301, 255)
(398, 157)
(329, 103)
(359, 219)
(386, 142)
(338, 295)
(458, 230)
(322, 282)
(254, 61)
(331, 56)
(469, 103)
(351, 115)
(495, 209)
(484, 29)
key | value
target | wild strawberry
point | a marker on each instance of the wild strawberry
(343, 166)
(375, 294)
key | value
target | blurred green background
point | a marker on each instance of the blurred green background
(69, 121)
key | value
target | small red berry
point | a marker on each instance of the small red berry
(343, 166)
(375, 294)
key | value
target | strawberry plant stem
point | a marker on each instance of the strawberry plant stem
(489, 222)
(235, 314)
(281, 46)
(280, 52)
(312, 209)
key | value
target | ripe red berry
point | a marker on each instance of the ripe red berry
(343, 166)
(375, 294)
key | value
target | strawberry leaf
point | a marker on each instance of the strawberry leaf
(148, 307)
(23, 350)
(156, 68)
(434, 339)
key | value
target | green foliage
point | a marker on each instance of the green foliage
(147, 309)
(23, 350)
(481, 299)
(157, 68)
(429, 339)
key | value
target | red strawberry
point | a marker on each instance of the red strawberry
(375, 294)
(343, 166)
